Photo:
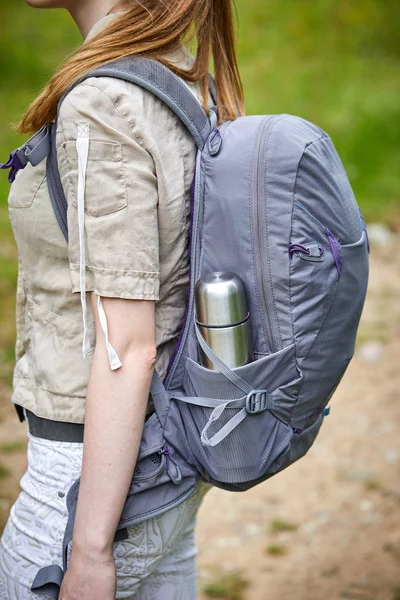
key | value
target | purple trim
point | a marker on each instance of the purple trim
(14, 164)
(298, 248)
(335, 247)
(168, 458)
(215, 132)
(179, 341)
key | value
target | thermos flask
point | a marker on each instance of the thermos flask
(223, 318)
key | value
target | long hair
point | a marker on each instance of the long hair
(153, 28)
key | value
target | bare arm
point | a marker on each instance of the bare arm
(115, 412)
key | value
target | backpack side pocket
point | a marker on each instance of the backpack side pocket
(233, 438)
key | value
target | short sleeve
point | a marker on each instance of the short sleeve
(121, 199)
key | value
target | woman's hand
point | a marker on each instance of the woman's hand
(89, 575)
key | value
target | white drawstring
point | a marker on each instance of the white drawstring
(82, 148)
(113, 357)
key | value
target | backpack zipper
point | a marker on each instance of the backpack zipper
(259, 216)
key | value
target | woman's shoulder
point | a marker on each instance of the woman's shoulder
(102, 98)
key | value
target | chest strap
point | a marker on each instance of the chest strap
(36, 149)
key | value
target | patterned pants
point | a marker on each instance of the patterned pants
(156, 562)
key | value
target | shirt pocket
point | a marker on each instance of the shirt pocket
(57, 364)
(27, 185)
(106, 189)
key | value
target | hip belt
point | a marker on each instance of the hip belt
(48, 429)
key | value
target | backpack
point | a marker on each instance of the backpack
(271, 203)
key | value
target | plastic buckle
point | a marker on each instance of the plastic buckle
(257, 401)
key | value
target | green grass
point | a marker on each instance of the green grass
(229, 586)
(373, 485)
(276, 549)
(396, 594)
(4, 472)
(281, 526)
(12, 447)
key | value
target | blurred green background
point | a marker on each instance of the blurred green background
(334, 62)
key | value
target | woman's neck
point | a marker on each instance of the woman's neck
(86, 14)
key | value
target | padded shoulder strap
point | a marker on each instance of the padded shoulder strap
(54, 185)
(161, 82)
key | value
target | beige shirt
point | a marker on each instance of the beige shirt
(137, 215)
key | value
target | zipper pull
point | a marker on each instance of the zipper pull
(175, 474)
(215, 142)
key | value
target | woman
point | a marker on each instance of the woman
(137, 214)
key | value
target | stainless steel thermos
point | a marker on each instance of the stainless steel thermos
(223, 318)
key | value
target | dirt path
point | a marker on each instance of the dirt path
(329, 526)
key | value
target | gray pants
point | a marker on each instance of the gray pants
(156, 562)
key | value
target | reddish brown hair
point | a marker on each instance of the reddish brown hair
(154, 28)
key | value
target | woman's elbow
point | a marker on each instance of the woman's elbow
(144, 354)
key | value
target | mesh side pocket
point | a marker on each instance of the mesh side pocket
(248, 451)
(148, 467)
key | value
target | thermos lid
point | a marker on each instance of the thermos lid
(220, 299)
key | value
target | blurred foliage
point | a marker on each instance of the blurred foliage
(334, 62)
(227, 586)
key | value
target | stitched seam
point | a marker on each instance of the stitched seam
(267, 145)
(117, 270)
(51, 393)
(123, 295)
(123, 174)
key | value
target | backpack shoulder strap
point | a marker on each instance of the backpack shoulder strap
(160, 81)
(165, 85)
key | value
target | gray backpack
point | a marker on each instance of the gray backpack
(271, 203)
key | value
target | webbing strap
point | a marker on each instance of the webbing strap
(244, 403)
(34, 151)
(225, 370)
(219, 408)
(209, 402)
(48, 581)
(54, 185)
(37, 148)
